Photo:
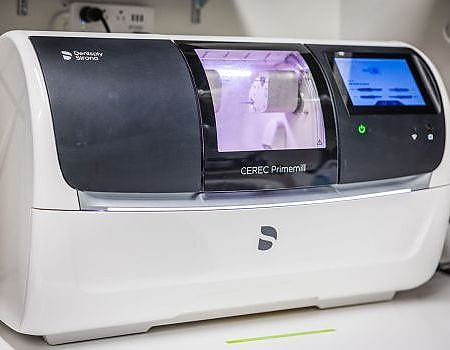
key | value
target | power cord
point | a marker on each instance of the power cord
(444, 263)
(94, 14)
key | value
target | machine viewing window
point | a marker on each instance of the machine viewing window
(263, 100)
(379, 81)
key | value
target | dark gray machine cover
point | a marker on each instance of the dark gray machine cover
(125, 114)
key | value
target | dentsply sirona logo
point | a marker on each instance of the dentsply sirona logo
(66, 55)
(77, 55)
(270, 235)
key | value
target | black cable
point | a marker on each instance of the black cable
(93, 14)
(105, 24)
(445, 268)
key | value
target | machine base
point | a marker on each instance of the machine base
(71, 337)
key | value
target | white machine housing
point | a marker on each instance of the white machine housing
(78, 265)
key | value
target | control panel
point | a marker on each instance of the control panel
(389, 113)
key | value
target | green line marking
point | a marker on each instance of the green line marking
(277, 336)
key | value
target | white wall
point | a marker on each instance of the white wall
(384, 19)
(432, 41)
(290, 18)
(281, 18)
(419, 22)
(285, 18)
(172, 16)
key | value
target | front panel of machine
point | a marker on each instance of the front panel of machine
(389, 112)
(156, 116)
(267, 116)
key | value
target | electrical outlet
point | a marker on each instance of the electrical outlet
(120, 18)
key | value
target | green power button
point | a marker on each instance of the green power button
(362, 128)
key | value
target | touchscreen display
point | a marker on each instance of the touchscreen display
(379, 81)
(263, 100)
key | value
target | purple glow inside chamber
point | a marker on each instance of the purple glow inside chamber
(263, 100)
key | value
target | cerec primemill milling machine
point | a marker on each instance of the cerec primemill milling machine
(148, 180)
